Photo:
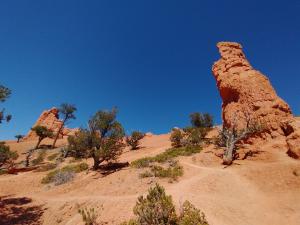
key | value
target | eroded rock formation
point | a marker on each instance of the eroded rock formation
(50, 119)
(246, 91)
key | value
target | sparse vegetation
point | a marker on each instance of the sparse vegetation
(89, 216)
(103, 140)
(53, 156)
(19, 137)
(172, 171)
(50, 177)
(165, 156)
(63, 177)
(67, 112)
(134, 138)
(7, 156)
(177, 137)
(190, 215)
(40, 158)
(157, 208)
(42, 132)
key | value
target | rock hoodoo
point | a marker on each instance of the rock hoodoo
(245, 90)
(50, 119)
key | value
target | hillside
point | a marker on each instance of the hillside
(260, 190)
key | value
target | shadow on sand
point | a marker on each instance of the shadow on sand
(19, 211)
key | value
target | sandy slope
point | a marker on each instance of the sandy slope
(261, 190)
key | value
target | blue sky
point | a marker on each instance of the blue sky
(151, 59)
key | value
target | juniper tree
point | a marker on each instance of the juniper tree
(229, 137)
(177, 137)
(103, 140)
(199, 120)
(19, 137)
(67, 112)
(4, 94)
(42, 132)
(134, 138)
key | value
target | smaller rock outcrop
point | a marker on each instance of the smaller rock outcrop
(50, 119)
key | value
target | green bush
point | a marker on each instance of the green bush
(177, 137)
(190, 215)
(172, 171)
(49, 178)
(6, 155)
(157, 208)
(133, 140)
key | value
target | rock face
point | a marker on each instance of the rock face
(49, 119)
(245, 91)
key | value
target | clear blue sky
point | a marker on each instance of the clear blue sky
(152, 59)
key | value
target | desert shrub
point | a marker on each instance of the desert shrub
(133, 140)
(143, 162)
(165, 156)
(172, 171)
(6, 155)
(89, 216)
(77, 168)
(63, 177)
(190, 215)
(40, 158)
(53, 156)
(50, 177)
(146, 174)
(156, 208)
(103, 140)
(177, 138)
(195, 136)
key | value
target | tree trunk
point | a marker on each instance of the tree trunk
(57, 135)
(97, 161)
(38, 144)
(229, 154)
(29, 153)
